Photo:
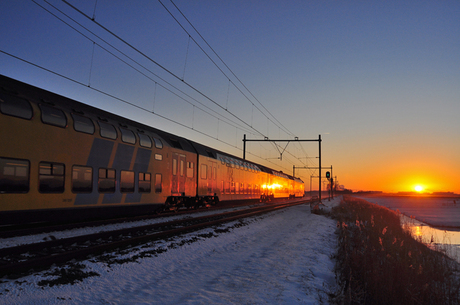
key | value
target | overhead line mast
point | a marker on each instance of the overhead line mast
(296, 139)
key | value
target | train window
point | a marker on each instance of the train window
(158, 183)
(14, 175)
(51, 177)
(237, 188)
(214, 173)
(108, 131)
(232, 187)
(144, 140)
(174, 167)
(204, 171)
(53, 116)
(106, 183)
(190, 166)
(144, 182)
(182, 168)
(127, 136)
(15, 106)
(127, 181)
(222, 187)
(227, 187)
(158, 143)
(82, 179)
(82, 124)
(158, 157)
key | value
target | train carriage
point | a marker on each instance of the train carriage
(61, 158)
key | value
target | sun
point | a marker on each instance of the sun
(418, 188)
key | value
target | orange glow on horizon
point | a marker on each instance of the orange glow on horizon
(395, 180)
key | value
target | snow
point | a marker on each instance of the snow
(283, 257)
(436, 211)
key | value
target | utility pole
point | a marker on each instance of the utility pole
(319, 145)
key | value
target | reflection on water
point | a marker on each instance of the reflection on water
(444, 241)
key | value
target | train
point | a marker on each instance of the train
(62, 159)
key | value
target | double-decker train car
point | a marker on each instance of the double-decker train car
(62, 159)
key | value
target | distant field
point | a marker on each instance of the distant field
(436, 211)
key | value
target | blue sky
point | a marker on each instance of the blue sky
(377, 79)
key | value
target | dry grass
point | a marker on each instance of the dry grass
(380, 263)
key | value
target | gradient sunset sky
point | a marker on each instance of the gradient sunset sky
(379, 80)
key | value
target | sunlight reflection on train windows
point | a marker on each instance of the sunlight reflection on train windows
(53, 116)
(14, 176)
(82, 179)
(127, 181)
(82, 124)
(15, 106)
(204, 170)
(106, 183)
(51, 177)
(181, 168)
(158, 143)
(144, 140)
(174, 167)
(107, 131)
(158, 183)
(127, 136)
(190, 166)
(145, 183)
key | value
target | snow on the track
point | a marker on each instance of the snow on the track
(282, 257)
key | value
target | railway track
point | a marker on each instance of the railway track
(44, 227)
(39, 256)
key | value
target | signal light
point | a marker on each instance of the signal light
(328, 175)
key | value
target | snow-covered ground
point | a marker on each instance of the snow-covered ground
(436, 211)
(283, 257)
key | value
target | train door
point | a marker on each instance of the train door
(178, 174)
(212, 184)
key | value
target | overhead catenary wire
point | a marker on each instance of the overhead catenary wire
(190, 37)
(248, 127)
(229, 69)
(221, 60)
(219, 68)
(234, 124)
(159, 65)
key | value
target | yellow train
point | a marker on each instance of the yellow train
(61, 159)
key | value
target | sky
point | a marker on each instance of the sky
(378, 80)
